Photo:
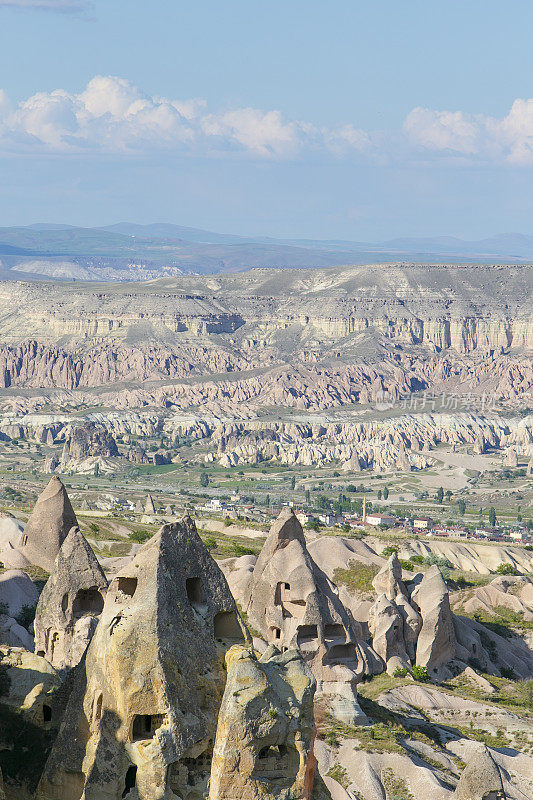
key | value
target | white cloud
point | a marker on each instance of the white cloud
(509, 139)
(113, 115)
(442, 130)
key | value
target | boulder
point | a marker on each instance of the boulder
(70, 603)
(141, 718)
(481, 778)
(16, 591)
(33, 683)
(48, 525)
(14, 634)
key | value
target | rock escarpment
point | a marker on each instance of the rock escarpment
(87, 441)
(70, 603)
(48, 526)
(142, 716)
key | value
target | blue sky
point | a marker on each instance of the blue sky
(345, 119)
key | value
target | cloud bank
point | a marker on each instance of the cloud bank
(111, 115)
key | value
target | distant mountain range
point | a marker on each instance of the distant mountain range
(126, 251)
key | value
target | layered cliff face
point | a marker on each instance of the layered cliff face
(349, 333)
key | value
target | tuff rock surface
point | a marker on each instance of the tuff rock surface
(49, 523)
(142, 715)
(70, 603)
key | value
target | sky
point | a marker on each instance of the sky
(330, 120)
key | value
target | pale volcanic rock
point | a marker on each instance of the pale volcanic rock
(481, 778)
(149, 506)
(17, 590)
(70, 603)
(264, 742)
(49, 523)
(13, 634)
(436, 640)
(33, 681)
(142, 715)
(393, 621)
(84, 441)
(292, 603)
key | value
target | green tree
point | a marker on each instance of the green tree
(461, 507)
(386, 493)
(379, 494)
(519, 517)
(293, 482)
(440, 494)
(308, 496)
(204, 479)
(267, 500)
(492, 516)
(448, 495)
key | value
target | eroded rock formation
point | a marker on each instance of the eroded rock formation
(264, 742)
(294, 605)
(142, 716)
(48, 525)
(70, 603)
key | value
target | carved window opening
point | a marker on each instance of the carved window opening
(64, 603)
(226, 626)
(272, 762)
(189, 777)
(24, 541)
(195, 591)
(41, 653)
(87, 601)
(47, 713)
(130, 780)
(340, 652)
(97, 709)
(307, 634)
(127, 586)
(334, 631)
(145, 726)
(277, 633)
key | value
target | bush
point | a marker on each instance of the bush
(26, 616)
(389, 550)
(210, 542)
(4, 608)
(507, 569)
(400, 672)
(420, 674)
(227, 522)
(507, 672)
(417, 559)
(5, 681)
(241, 550)
(140, 536)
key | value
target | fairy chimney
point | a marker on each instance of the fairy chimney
(50, 521)
(70, 603)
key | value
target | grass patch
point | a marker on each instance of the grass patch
(356, 577)
(339, 774)
(395, 787)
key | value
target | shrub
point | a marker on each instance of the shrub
(4, 608)
(5, 681)
(227, 522)
(140, 536)
(400, 672)
(26, 616)
(417, 559)
(210, 542)
(389, 550)
(420, 674)
(241, 550)
(507, 569)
